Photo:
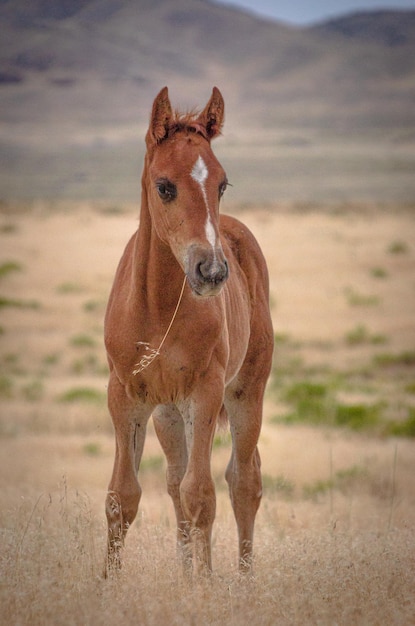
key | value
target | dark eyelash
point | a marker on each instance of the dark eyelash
(223, 186)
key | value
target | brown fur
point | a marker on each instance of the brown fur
(217, 354)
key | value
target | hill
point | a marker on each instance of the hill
(82, 74)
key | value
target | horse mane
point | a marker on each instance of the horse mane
(188, 122)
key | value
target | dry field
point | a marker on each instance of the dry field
(335, 535)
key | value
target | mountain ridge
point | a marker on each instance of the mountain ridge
(187, 41)
(85, 72)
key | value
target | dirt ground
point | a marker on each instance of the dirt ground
(335, 532)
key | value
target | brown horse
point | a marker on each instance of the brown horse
(189, 338)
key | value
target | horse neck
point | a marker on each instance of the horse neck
(158, 275)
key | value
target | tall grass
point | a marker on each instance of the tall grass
(52, 555)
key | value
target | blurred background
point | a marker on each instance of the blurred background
(319, 146)
(320, 96)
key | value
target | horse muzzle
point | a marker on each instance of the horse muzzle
(206, 270)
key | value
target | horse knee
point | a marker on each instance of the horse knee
(245, 484)
(198, 502)
(173, 479)
(121, 509)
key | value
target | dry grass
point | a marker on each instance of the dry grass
(321, 573)
(335, 532)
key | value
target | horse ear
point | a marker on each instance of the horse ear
(212, 117)
(160, 117)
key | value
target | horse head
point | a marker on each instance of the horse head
(182, 186)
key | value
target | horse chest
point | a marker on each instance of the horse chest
(193, 357)
(171, 377)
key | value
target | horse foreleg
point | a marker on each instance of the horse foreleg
(197, 490)
(169, 426)
(124, 491)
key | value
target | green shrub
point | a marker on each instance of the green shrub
(152, 463)
(277, 484)
(83, 394)
(360, 335)
(398, 247)
(406, 358)
(18, 304)
(83, 341)
(8, 267)
(6, 387)
(357, 416)
(68, 288)
(311, 403)
(354, 298)
(33, 391)
(405, 428)
(378, 272)
(92, 449)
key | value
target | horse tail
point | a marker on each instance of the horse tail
(222, 418)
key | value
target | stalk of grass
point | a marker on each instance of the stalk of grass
(26, 528)
(392, 498)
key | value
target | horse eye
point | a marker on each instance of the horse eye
(222, 188)
(166, 190)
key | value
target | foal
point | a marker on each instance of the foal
(189, 338)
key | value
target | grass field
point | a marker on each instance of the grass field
(335, 532)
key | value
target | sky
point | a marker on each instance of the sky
(304, 12)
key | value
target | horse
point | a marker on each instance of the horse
(189, 339)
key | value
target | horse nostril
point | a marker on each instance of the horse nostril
(216, 272)
(221, 273)
(225, 270)
(201, 270)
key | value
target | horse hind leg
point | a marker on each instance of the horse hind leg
(243, 474)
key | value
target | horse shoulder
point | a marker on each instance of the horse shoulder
(251, 261)
(247, 253)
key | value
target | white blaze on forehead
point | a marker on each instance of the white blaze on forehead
(200, 173)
